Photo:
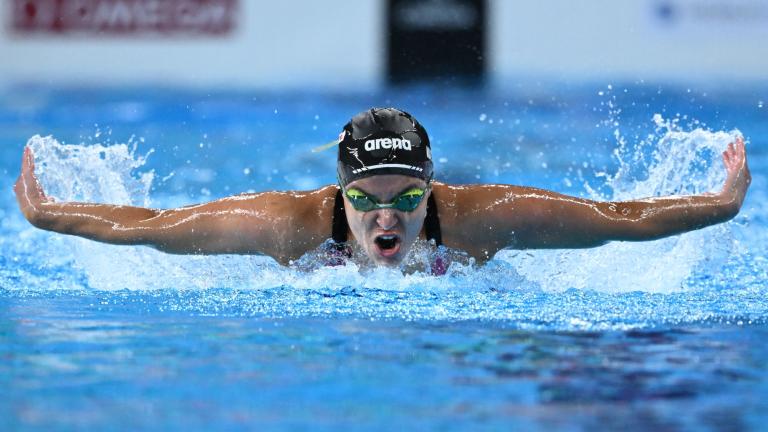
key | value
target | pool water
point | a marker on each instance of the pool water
(666, 335)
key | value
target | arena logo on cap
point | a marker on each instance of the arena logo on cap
(388, 143)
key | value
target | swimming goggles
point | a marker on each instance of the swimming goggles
(406, 201)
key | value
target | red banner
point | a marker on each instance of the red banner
(161, 17)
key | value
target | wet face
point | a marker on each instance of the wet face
(386, 235)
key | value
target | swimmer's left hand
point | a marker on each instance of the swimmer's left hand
(738, 179)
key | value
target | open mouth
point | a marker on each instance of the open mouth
(388, 244)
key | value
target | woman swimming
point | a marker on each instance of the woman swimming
(385, 200)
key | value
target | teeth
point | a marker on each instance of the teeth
(388, 237)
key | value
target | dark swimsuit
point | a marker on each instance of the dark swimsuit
(340, 250)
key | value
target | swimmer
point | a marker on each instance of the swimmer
(386, 199)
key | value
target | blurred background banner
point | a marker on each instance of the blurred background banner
(349, 44)
(105, 17)
(436, 39)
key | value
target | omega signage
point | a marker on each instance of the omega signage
(123, 17)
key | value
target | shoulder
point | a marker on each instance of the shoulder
(289, 201)
(298, 220)
(472, 198)
(479, 218)
(310, 210)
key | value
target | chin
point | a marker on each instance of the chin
(386, 261)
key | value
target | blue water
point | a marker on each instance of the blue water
(665, 335)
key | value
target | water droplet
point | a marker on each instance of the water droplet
(247, 171)
(600, 93)
(759, 104)
(482, 117)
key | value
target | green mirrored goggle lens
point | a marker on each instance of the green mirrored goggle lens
(407, 201)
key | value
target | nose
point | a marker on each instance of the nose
(386, 219)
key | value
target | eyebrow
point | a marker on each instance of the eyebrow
(406, 189)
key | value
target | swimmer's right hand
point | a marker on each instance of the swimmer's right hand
(29, 193)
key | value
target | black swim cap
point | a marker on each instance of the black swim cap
(383, 141)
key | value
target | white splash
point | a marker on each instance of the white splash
(108, 174)
(94, 173)
(680, 162)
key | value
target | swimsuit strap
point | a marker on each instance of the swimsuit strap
(432, 222)
(339, 226)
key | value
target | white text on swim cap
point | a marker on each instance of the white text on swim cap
(387, 143)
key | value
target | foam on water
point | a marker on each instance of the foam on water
(681, 163)
(564, 288)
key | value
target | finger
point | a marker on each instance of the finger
(734, 152)
(32, 186)
(727, 158)
(25, 159)
(728, 165)
(737, 155)
(733, 160)
(28, 169)
(31, 158)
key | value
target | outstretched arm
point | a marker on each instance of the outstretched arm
(281, 225)
(525, 218)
